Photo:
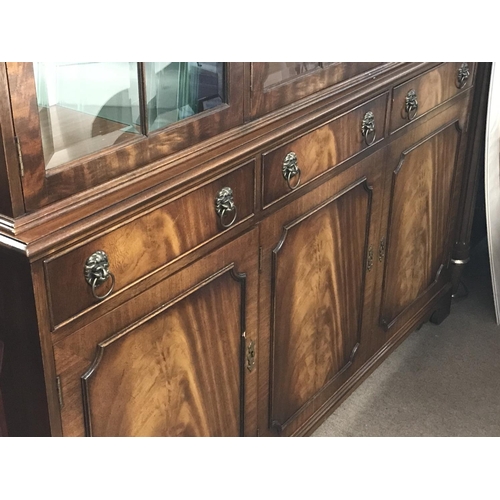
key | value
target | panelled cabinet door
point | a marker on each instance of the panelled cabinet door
(316, 282)
(423, 179)
(276, 84)
(178, 360)
(79, 125)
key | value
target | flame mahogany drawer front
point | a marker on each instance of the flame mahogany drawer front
(148, 242)
(288, 167)
(422, 94)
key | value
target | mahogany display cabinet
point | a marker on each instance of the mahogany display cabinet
(223, 249)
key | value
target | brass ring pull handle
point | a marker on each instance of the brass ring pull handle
(368, 128)
(95, 284)
(224, 205)
(463, 74)
(97, 271)
(290, 170)
(411, 105)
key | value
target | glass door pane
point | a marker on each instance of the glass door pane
(85, 107)
(178, 90)
(279, 72)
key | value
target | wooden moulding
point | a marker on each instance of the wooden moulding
(203, 160)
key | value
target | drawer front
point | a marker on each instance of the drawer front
(422, 94)
(145, 244)
(305, 158)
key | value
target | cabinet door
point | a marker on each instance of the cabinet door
(276, 84)
(177, 360)
(82, 124)
(317, 273)
(424, 171)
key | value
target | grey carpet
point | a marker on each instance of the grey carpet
(441, 381)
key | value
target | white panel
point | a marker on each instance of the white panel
(492, 183)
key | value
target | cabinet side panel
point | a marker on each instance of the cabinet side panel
(22, 378)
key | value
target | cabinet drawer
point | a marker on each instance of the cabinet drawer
(422, 94)
(145, 244)
(305, 158)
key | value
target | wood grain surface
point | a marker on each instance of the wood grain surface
(433, 88)
(166, 354)
(316, 295)
(318, 271)
(171, 362)
(264, 100)
(420, 220)
(177, 374)
(146, 243)
(55, 225)
(27, 125)
(11, 195)
(321, 149)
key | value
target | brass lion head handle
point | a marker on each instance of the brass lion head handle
(411, 104)
(224, 206)
(463, 74)
(290, 169)
(368, 128)
(96, 272)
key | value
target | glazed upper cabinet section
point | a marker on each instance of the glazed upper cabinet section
(82, 124)
(276, 84)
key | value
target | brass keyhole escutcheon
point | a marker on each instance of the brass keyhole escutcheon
(251, 356)
(369, 263)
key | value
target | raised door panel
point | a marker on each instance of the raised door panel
(187, 368)
(317, 262)
(317, 299)
(421, 220)
(176, 374)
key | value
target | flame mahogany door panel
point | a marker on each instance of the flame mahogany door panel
(316, 283)
(178, 360)
(423, 179)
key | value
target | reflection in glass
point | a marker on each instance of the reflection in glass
(85, 107)
(178, 90)
(279, 72)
